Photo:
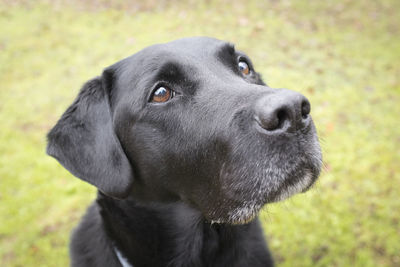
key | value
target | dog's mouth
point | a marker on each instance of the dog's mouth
(246, 212)
(242, 198)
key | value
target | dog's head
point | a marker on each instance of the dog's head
(192, 121)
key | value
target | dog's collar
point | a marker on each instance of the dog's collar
(122, 260)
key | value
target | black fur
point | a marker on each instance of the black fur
(181, 182)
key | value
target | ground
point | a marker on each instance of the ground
(343, 55)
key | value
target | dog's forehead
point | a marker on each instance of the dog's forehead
(195, 48)
(196, 45)
(187, 52)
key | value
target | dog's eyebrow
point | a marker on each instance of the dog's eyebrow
(226, 53)
(174, 73)
(226, 48)
(170, 71)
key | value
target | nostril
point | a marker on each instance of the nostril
(305, 109)
(282, 117)
(273, 120)
(269, 123)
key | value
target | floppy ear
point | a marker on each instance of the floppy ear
(84, 142)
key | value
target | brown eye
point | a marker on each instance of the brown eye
(162, 94)
(244, 67)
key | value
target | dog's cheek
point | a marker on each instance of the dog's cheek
(144, 146)
(162, 158)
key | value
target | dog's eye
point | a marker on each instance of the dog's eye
(244, 67)
(162, 94)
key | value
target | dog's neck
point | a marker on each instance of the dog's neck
(172, 233)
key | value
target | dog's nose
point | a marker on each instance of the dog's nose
(283, 110)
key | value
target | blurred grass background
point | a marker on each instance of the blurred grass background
(343, 55)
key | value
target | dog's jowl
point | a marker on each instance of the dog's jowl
(185, 144)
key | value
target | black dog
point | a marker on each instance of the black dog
(186, 144)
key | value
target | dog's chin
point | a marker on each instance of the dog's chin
(244, 215)
(238, 216)
(301, 185)
(248, 210)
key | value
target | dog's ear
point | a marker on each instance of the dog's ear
(84, 142)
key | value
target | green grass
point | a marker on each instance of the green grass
(344, 56)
